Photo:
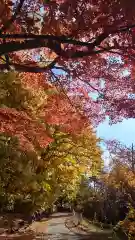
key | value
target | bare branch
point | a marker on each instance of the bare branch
(89, 84)
(62, 88)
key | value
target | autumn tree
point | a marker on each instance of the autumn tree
(38, 179)
(66, 159)
(85, 46)
(42, 147)
(29, 110)
(17, 174)
(122, 174)
(109, 197)
(120, 153)
(122, 180)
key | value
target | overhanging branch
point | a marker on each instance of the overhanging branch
(32, 41)
(26, 68)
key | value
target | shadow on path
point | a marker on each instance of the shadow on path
(68, 236)
(61, 215)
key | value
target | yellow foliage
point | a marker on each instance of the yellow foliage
(128, 225)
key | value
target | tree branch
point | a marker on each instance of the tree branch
(26, 68)
(14, 46)
(61, 39)
(54, 43)
(63, 90)
(89, 84)
(65, 39)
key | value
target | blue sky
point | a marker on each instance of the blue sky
(123, 131)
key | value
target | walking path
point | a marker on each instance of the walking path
(60, 226)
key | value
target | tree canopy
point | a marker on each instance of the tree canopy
(85, 46)
(65, 66)
(44, 150)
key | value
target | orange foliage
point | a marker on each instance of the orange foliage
(45, 107)
(57, 109)
(82, 38)
(30, 133)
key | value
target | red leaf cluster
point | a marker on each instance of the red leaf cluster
(92, 41)
(30, 133)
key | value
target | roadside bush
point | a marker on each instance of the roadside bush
(126, 228)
